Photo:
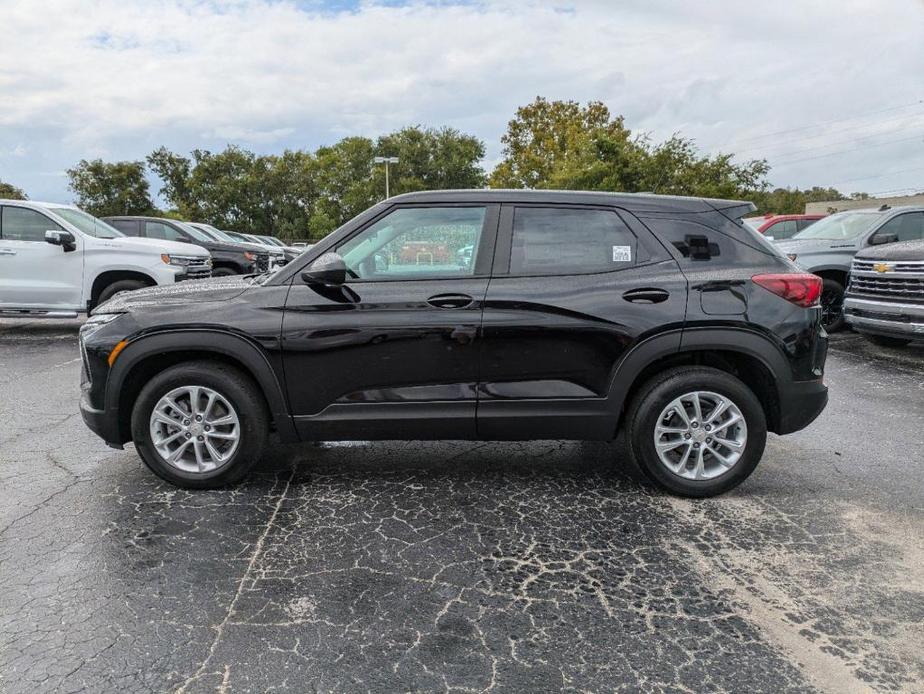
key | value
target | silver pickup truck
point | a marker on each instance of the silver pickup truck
(885, 297)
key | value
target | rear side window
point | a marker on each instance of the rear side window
(562, 241)
(23, 224)
(126, 226)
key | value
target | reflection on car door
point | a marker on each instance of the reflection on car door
(400, 336)
(573, 288)
(34, 273)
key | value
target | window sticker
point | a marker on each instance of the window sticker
(622, 254)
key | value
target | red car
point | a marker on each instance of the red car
(782, 226)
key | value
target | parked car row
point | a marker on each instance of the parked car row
(827, 249)
(58, 261)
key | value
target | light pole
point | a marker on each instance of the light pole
(386, 161)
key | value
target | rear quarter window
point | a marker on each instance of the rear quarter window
(563, 241)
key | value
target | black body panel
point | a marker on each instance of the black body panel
(523, 357)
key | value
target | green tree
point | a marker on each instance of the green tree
(110, 188)
(10, 192)
(560, 144)
(431, 159)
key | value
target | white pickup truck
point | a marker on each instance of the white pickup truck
(57, 261)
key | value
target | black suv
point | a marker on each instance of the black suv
(574, 316)
(227, 258)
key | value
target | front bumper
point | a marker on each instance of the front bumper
(106, 427)
(885, 317)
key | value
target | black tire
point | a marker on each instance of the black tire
(657, 393)
(237, 388)
(886, 341)
(832, 305)
(116, 287)
(224, 272)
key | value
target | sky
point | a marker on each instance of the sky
(830, 92)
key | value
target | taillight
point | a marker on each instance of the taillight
(802, 289)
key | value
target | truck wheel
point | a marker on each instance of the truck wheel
(223, 272)
(200, 425)
(886, 341)
(696, 431)
(116, 287)
(832, 305)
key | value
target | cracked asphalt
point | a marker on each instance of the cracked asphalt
(461, 566)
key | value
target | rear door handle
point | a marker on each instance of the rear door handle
(646, 295)
(450, 300)
(7, 251)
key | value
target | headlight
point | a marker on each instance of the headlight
(95, 322)
(250, 256)
(179, 259)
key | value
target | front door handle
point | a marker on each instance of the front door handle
(7, 251)
(646, 295)
(450, 301)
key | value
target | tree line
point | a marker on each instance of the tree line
(302, 194)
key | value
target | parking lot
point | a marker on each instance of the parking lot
(462, 566)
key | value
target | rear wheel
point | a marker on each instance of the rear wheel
(200, 425)
(832, 305)
(116, 287)
(696, 431)
(885, 341)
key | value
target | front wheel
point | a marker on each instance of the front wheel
(696, 431)
(200, 425)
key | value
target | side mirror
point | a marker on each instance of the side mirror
(882, 237)
(65, 239)
(329, 270)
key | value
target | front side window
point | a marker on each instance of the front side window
(23, 224)
(907, 227)
(159, 230)
(782, 230)
(417, 243)
(561, 241)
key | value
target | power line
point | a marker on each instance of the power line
(845, 151)
(882, 175)
(856, 127)
(830, 144)
(828, 122)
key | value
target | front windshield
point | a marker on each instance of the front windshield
(841, 226)
(272, 239)
(197, 234)
(87, 223)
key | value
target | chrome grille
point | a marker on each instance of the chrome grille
(262, 262)
(902, 280)
(199, 269)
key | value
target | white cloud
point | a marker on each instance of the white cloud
(117, 78)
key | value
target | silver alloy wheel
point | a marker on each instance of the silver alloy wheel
(700, 435)
(195, 429)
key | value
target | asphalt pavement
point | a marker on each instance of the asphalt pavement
(460, 566)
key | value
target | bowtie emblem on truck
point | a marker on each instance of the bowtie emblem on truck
(882, 267)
